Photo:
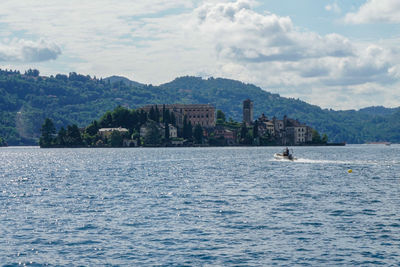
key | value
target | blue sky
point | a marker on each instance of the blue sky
(340, 54)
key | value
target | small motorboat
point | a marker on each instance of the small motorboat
(285, 155)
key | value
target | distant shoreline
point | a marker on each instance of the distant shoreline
(202, 146)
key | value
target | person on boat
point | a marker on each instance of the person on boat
(286, 152)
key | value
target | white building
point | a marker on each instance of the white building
(106, 132)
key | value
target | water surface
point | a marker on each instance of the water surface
(200, 206)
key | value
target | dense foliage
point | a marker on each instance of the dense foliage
(152, 129)
(74, 99)
(2, 142)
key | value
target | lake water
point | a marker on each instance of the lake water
(200, 206)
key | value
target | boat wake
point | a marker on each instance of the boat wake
(321, 161)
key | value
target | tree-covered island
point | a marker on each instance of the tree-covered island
(179, 125)
(26, 99)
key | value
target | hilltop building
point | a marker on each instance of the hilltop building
(203, 114)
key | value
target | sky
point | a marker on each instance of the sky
(339, 54)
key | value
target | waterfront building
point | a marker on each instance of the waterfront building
(285, 132)
(229, 135)
(296, 133)
(265, 126)
(129, 143)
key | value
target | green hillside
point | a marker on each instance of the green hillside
(27, 99)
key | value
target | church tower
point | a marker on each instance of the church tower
(248, 111)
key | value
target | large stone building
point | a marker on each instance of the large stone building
(285, 132)
(248, 111)
(202, 114)
(296, 133)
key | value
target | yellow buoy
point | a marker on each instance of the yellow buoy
(350, 171)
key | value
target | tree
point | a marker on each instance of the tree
(152, 137)
(324, 139)
(116, 139)
(316, 138)
(256, 137)
(48, 132)
(198, 134)
(166, 116)
(255, 129)
(2, 142)
(187, 129)
(173, 119)
(243, 130)
(142, 117)
(220, 117)
(73, 136)
(190, 130)
(245, 136)
(32, 72)
(152, 114)
(135, 119)
(92, 129)
(61, 137)
(106, 121)
(121, 117)
(166, 131)
(157, 114)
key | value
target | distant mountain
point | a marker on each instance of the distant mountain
(379, 111)
(26, 100)
(114, 79)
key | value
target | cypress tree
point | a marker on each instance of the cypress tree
(48, 131)
(157, 114)
(62, 134)
(166, 133)
(255, 129)
(173, 119)
(163, 112)
(198, 134)
(152, 115)
(73, 136)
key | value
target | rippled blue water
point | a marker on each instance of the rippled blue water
(200, 206)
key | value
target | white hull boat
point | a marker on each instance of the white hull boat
(280, 156)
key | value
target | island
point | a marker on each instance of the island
(171, 125)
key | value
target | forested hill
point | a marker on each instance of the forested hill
(27, 99)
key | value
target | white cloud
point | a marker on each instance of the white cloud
(28, 51)
(270, 51)
(155, 41)
(376, 11)
(334, 7)
(85, 27)
(242, 34)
